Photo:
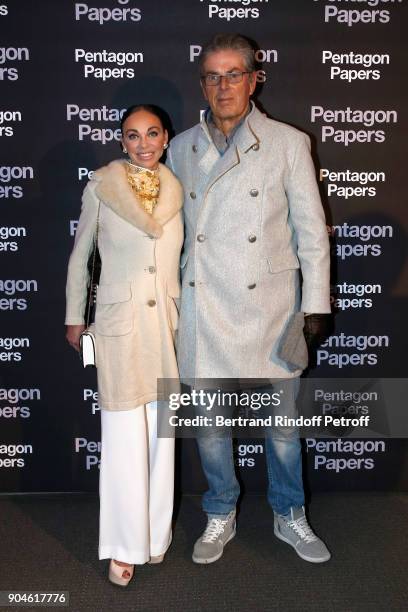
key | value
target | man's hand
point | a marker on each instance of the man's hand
(73, 333)
(317, 328)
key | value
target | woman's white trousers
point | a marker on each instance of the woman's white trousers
(136, 486)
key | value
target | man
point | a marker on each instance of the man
(253, 216)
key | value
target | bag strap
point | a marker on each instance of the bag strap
(95, 246)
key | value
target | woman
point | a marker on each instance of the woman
(136, 204)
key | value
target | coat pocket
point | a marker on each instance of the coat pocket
(183, 263)
(281, 262)
(183, 259)
(173, 304)
(172, 313)
(114, 315)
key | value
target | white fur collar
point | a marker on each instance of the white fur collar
(114, 190)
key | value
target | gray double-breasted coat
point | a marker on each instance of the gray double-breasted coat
(253, 219)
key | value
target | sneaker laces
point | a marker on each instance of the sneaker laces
(303, 529)
(215, 528)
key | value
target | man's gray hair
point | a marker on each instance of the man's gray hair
(235, 42)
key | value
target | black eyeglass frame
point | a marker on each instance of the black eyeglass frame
(226, 76)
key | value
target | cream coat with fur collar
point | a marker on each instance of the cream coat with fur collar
(136, 314)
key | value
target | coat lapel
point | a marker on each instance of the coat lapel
(225, 164)
(114, 190)
(247, 137)
(211, 155)
(213, 164)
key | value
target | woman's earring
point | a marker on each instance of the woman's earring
(165, 145)
(124, 150)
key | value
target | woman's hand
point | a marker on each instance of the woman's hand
(73, 333)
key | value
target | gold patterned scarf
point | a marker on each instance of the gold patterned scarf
(145, 183)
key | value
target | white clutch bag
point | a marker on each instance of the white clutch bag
(87, 341)
(87, 348)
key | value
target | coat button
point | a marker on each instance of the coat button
(193, 195)
(252, 238)
(192, 284)
(252, 286)
(200, 237)
(152, 269)
(151, 303)
(254, 193)
(195, 148)
(255, 147)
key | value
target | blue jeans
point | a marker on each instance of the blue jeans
(283, 461)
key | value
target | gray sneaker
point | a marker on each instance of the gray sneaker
(210, 546)
(296, 531)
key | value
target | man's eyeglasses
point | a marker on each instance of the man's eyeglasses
(215, 79)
